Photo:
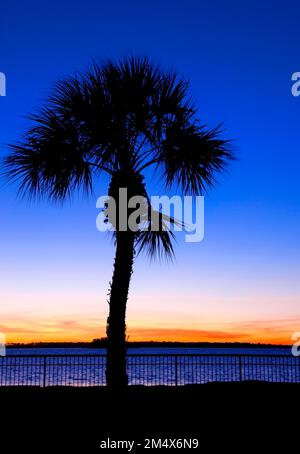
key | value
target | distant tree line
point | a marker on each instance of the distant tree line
(102, 343)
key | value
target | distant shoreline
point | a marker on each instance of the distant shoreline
(101, 343)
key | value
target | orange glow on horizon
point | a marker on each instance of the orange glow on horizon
(39, 318)
(69, 332)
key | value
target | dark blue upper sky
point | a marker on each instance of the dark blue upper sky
(239, 58)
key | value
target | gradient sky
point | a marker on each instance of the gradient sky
(242, 281)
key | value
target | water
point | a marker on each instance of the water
(163, 368)
(146, 351)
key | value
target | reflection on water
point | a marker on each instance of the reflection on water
(86, 367)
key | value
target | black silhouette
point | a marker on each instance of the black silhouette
(119, 118)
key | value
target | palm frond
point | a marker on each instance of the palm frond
(192, 155)
(119, 117)
(155, 235)
(51, 161)
(156, 244)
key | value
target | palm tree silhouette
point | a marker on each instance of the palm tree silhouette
(119, 118)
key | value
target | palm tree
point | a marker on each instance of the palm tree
(119, 119)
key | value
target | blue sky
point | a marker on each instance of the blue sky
(239, 58)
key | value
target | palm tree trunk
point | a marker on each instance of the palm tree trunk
(116, 376)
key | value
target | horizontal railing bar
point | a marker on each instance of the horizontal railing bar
(137, 355)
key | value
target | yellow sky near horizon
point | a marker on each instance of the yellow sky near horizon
(162, 308)
(75, 317)
(76, 329)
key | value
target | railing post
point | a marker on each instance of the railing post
(44, 371)
(174, 369)
(241, 368)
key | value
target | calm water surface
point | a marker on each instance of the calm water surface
(66, 368)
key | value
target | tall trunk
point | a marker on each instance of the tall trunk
(116, 376)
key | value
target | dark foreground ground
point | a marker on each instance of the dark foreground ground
(227, 417)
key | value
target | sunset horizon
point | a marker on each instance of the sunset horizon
(150, 219)
(242, 280)
(276, 332)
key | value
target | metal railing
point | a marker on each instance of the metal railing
(147, 369)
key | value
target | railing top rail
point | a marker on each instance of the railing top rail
(134, 355)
